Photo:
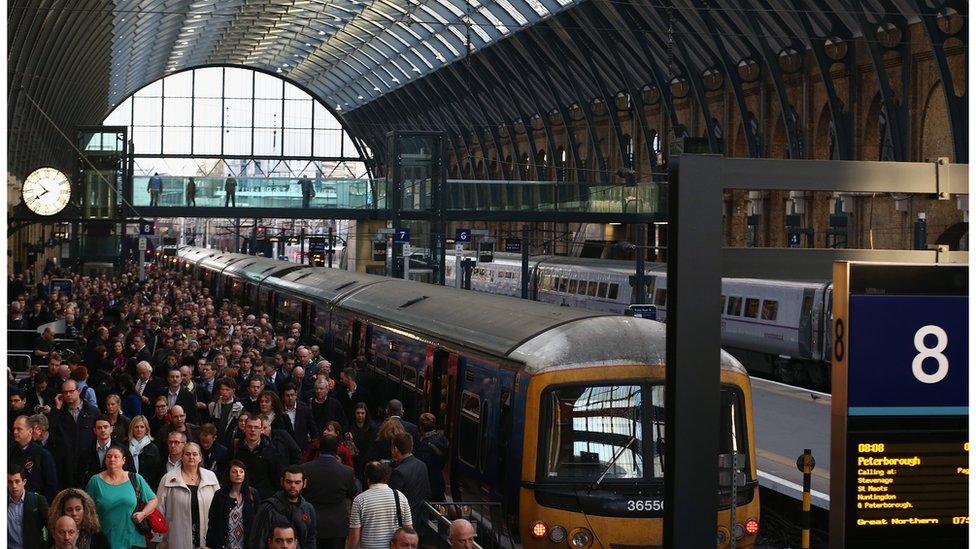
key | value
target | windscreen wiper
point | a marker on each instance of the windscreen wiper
(614, 460)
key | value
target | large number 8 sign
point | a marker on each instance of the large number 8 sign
(942, 341)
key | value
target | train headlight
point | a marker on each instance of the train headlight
(582, 538)
(538, 529)
(722, 537)
(738, 531)
(752, 526)
(557, 534)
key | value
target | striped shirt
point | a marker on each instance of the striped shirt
(374, 512)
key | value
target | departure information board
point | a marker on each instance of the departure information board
(900, 447)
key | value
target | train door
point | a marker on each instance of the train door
(826, 322)
(436, 384)
(807, 342)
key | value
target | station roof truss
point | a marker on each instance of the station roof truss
(468, 67)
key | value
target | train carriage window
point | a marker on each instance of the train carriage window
(592, 288)
(395, 369)
(614, 291)
(469, 428)
(581, 289)
(602, 290)
(807, 308)
(573, 286)
(722, 310)
(752, 307)
(660, 296)
(769, 308)
(735, 306)
(410, 376)
(563, 284)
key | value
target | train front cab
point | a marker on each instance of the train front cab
(575, 494)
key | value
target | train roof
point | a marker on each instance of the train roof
(540, 335)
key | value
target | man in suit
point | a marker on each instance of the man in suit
(326, 408)
(26, 512)
(148, 386)
(73, 420)
(351, 392)
(39, 468)
(140, 351)
(409, 475)
(331, 489)
(203, 389)
(395, 409)
(300, 415)
(63, 458)
(93, 457)
(178, 395)
(177, 423)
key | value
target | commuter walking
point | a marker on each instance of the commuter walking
(308, 191)
(26, 512)
(115, 493)
(155, 188)
(331, 490)
(185, 496)
(191, 192)
(287, 506)
(378, 512)
(232, 510)
(230, 188)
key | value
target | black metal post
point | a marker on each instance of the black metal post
(301, 250)
(693, 351)
(525, 262)
(639, 296)
(252, 249)
(331, 251)
(921, 234)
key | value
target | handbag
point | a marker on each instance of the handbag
(155, 522)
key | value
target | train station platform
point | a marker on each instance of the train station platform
(788, 420)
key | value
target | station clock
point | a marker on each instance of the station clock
(46, 191)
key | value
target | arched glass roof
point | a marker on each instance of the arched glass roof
(345, 51)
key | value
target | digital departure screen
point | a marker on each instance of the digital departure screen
(900, 407)
(907, 481)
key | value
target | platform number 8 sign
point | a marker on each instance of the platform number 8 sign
(926, 352)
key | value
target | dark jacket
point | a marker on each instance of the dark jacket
(305, 428)
(285, 447)
(64, 459)
(331, 489)
(349, 401)
(151, 465)
(187, 401)
(410, 428)
(261, 464)
(277, 508)
(410, 477)
(74, 435)
(220, 509)
(330, 410)
(40, 470)
(35, 519)
(154, 388)
(91, 465)
(217, 459)
(433, 451)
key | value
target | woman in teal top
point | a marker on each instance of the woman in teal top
(115, 501)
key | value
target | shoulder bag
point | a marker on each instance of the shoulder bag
(155, 523)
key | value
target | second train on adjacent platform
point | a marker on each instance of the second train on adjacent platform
(773, 327)
(555, 415)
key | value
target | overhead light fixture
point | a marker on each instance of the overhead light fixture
(308, 45)
(285, 65)
(321, 32)
(359, 97)
(375, 88)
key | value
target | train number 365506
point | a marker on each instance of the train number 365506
(645, 505)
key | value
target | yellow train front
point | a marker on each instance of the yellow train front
(593, 461)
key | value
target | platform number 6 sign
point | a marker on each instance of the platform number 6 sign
(925, 352)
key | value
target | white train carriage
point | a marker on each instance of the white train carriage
(775, 327)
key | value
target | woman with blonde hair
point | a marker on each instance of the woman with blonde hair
(145, 455)
(384, 438)
(185, 495)
(80, 507)
(118, 421)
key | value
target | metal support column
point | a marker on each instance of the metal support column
(693, 350)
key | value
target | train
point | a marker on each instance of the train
(555, 415)
(775, 328)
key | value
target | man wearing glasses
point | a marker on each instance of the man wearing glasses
(74, 419)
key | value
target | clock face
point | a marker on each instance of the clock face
(46, 191)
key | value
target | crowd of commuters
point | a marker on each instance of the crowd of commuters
(233, 428)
